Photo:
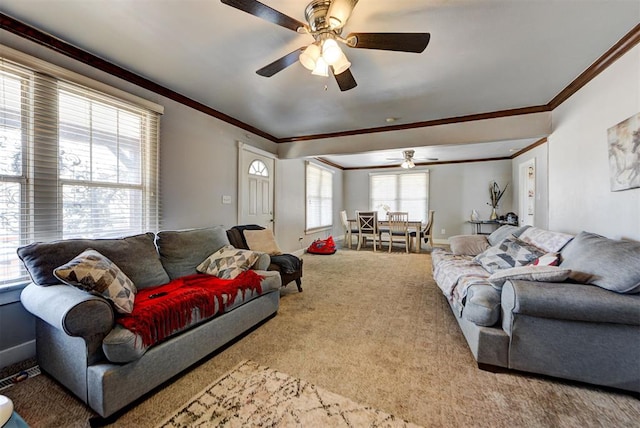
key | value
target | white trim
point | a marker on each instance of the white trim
(256, 150)
(62, 73)
(308, 162)
(18, 353)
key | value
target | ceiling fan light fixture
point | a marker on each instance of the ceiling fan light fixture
(341, 65)
(321, 69)
(309, 57)
(407, 164)
(331, 52)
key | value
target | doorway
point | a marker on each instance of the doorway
(255, 190)
(527, 192)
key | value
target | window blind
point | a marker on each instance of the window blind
(400, 192)
(319, 196)
(74, 163)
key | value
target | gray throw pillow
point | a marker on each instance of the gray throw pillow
(504, 232)
(468, 245)
(607, 263)
(135, 255)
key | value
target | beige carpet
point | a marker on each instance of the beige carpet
(372, 327)
(254, 395)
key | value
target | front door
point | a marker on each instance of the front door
(256, 189)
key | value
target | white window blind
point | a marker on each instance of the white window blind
(400, 192)
(319, 195)
(73, 163)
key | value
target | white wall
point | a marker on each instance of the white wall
(579, 194)
(454, 190)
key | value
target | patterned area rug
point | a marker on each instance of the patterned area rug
(254, 395)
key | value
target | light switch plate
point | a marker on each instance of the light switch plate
(226, 199)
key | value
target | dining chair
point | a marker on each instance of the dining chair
(426, 233)
(398, 228)
(368, 228)
(348, 230)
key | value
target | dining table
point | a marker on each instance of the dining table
(413, 226)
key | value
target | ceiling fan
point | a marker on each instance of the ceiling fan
(325, 21)
(408, 159)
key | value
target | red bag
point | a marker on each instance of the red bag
(322, 246)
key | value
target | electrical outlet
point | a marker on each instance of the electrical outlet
(442, 231)
(300, 238)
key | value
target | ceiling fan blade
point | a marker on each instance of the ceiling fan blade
(280, 64)
(263, 11)
(403, 42)
(345, 80)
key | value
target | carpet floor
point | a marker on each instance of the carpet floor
(372, 327)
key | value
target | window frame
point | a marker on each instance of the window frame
(318, 198)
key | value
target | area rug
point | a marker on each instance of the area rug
(255, 395)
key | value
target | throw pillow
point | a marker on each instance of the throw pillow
(607, 263)
(468, 245)
(262, 240)
(529, 273)
(91, 271)
(228, 262)
(504, 232)
(511, 252)
(545, 239)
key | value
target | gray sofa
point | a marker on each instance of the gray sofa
(579, 320)
(106, 366)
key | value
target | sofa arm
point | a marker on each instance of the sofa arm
(568, 301)
(69, 309)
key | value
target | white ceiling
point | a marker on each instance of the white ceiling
(484, 56)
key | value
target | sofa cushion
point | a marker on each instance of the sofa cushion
(91, 271)
(511, 252)
(504, 232)
(468, 245)
(262, 240)
(482, 306)
(228, 262)
(529, 273)
(135, 255)
(122, 345)
(545, 239)
(607, 263)
(182, 250)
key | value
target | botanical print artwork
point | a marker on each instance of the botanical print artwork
(624, 154)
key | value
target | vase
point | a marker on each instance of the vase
(494, 215)
(474, 215)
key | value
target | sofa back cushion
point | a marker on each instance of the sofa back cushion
(550, 241)
(607, 263)
(182, 251)
(136, 256)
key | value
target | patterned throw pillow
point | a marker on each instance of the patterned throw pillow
(228, 262)
(529, 273)
(545, 239)
(509, 253)
(549, 259)
(91, 271)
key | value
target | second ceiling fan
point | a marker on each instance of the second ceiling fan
(325, 21)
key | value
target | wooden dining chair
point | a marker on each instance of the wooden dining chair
(348, 230)
(426, 233)
(368, 228)
(398, 228)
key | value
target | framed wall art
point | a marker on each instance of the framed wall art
(624, 154)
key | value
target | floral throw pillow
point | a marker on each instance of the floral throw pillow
(91, 271)
(509, 253)
(228, 262)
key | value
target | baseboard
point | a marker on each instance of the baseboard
(19, 353)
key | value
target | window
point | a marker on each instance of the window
(400, 192)
(319, 197)
(74, 163)
(258, 168)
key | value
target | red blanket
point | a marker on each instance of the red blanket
(160, 311)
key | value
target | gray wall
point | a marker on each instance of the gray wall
(454, 190)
